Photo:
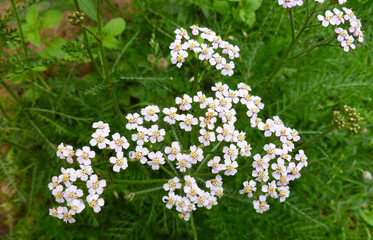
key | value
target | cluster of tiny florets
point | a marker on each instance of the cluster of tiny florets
(347, 118)
(294, 3)
(76, 18)
(337, 18)
(207, 49)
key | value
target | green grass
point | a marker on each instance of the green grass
(327, 202)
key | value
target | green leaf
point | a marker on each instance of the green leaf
(115, 26)
(34, 38)
(32, 15)
(31, 95)
(253, 4)
(88, 7)
(110, 41)
(53, 48)
(51, 19)
(368, 217)
(221, 6)
(248, 17)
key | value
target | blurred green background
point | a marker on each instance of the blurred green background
(54, 94)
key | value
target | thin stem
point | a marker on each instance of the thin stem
(20, 30)
(90, 32)
(167, 171)
(193, 226)
(207, 157)
(326, 131)
(85, 41)
(123, 50)
(291, 24)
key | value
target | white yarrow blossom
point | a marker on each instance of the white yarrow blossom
(171, 115)
(326, 19)
(150, 113)
(155, 160)
(95, 186)
(118, 143)
(84, 155)
(119, 162)
(134, 120)
(261, 205)
(95, 202)
(178, 58)
(185, 102)
(99, 139)
(173, 151)
(101, 125)
(248, 188)
(156, 135)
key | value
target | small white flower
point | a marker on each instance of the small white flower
(338, 18)
(215, 165)
(185, 102)
(302, 158)
(270, 149)
(173, 151)
(171, 115)
(176, 46)
(65, 214)
(261, 175)
(155, 160)
(178, 58)
(141, 136)
(101, 125)
(69, 153)
(95, 186)
(72, 192)
(260, 163)
(231, 167)
(327, 19)
(194, 29)
(270, 189)
(139, 154)
(55, 182)
(181, 33)
(206, 137)
(214, 183)
(99, 139)
(261, 205)
(170, 200)
(77, 206)
(201, 99)
(84, 155)
(248, 188)
(196, 154)
(183, 162)
(156, 135)
(283, 192)
(150, 113)
(245, 149)
(187, 121)
(278, 168)
(119, 162)
(118, 143)
(84, 172)
(67, 176)
(134, 120)
(230, 152)
(228, 69)
(95, 202)
(225, 133)
(172, 185)
(294, 170)
(58, 194)
(206, 52)
(348, 43)
(60, 150)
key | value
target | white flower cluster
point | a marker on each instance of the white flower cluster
(293, 3)
(337, 18)
(71, 194)
(206, 49)
(214, 122)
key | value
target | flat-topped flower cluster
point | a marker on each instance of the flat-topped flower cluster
(294, 3)
(209, 125)
(338, 18)
(207, 49)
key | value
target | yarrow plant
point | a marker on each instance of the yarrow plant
(209, 125)
(204, 45)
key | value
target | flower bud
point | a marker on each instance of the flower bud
(162, 64)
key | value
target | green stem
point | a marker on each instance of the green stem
(207, 157)
(90, 32)
(20, 30)
(193, 226)
(85, 41)
(326, 131)
(167, 171)
(291, 24)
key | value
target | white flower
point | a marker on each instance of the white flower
(150, 113)
(260, 163)
(228, 69)
(196, 154)
(171, 115)
(60, 150)
(99, 139)
(283, 192)
(176, 46)
(101, 125)
(139, 154)
(118, 143)
(156, 135)
(216, 41)
(134, 120)
(284, 180)
(67, 176)
(187, 121)
(183, 162)
(206, 52)
(206, 137)
(77, 206)
(85, 155)
(178, 58)
(348, 43)
(170, 200)
(283, 153)
(278, 169)
(248, 188)
(302, 158)
(181, 33)
(55, 182)
(215, 165)
(217, 60)
(270, 149)
(192, 45)
(245, 150)
(349, 16)
(201, 99)
(228, 116)
(58, 194)
(342, 1)
(338, 18)
(172, 185)
(216, 192)
(294, 170)
(155, 159)
(207, 122)
(261, 175)
(72, 192)
(231, 167)
(225, 133)
(83, 172)
(69, 153)
(185, 102)
(284, 134)
(194, 29)
(230, 152)
(327, 19)
(270, 189)
(53, 212)
(267, 127)
(65, 214)
(173, 151)
(142, 135)
(214, 183)
(182, 204)
(192, 192)
(119, 162)
(295, 135)
(207, 34)
(261, 205)
(95, 186)
(234, 53)
(95, 202)
(189, 181)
